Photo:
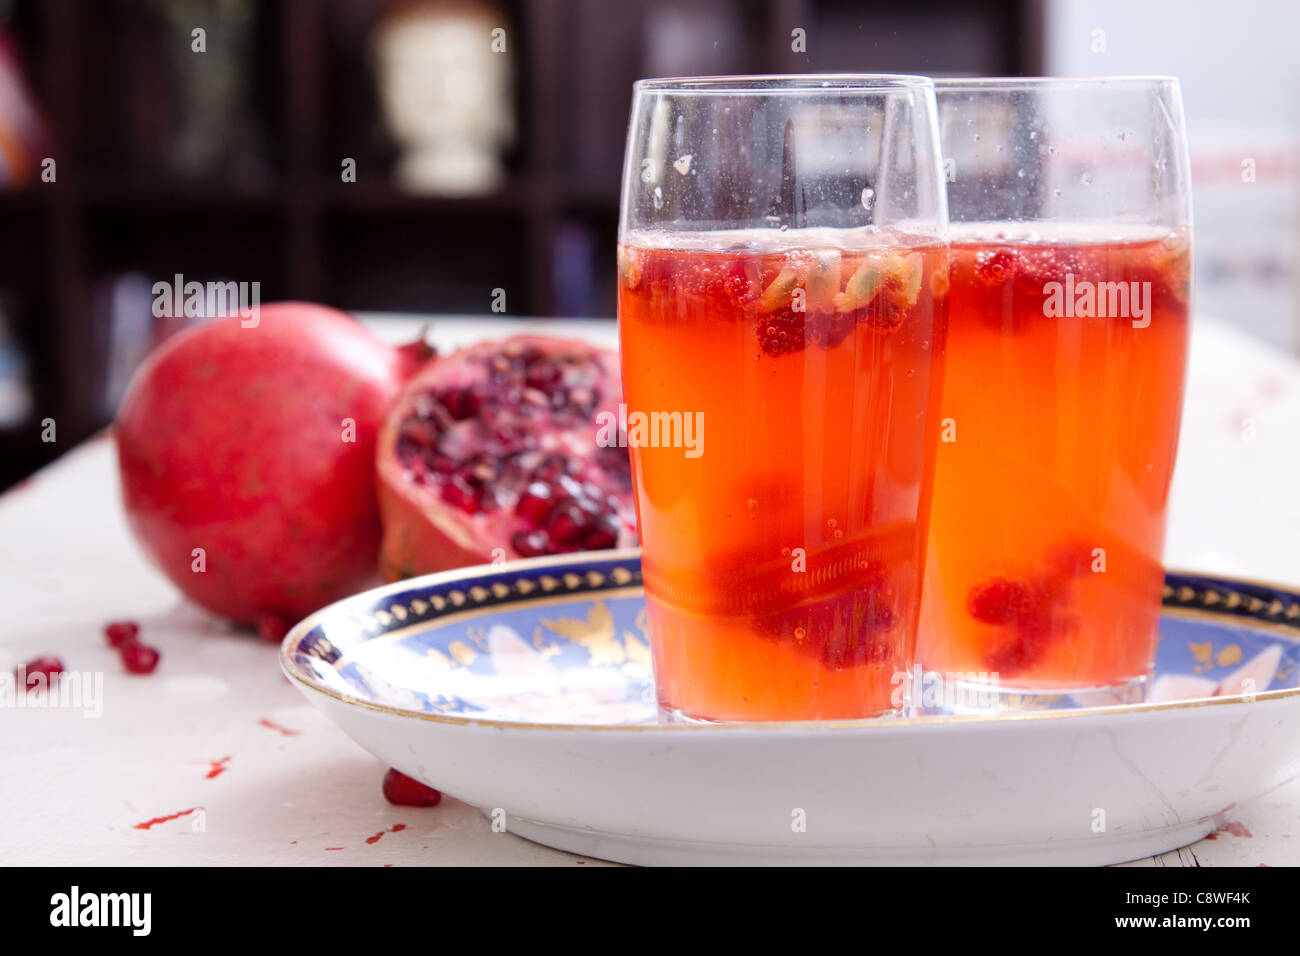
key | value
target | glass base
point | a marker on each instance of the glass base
(936, 694)
(673, 715)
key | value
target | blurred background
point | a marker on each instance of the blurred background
(452, 156)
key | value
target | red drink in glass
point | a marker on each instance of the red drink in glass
(782, 563)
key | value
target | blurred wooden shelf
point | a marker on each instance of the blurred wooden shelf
(104, 74)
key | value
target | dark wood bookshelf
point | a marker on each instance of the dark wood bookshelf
(278, 212)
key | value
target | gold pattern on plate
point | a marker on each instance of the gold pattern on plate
(456, 597)
(462, 653)
(439, 659)
(548, 583)
(399, 612)
(1229, 655)
(638, 653)
(524, 586)
(1201, 652)
(596, 634)
(438, 601)
(384, 617)
(419, 607)
(479, 594)
(572, 581)
(595, 579)
(500, 590)
(621, 575)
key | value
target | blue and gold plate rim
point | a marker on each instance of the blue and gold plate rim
(440, 599)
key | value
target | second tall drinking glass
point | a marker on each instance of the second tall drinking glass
(782, 302)
(1071, 264)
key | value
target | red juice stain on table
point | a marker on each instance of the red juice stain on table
(395, 828)
(271, 725)
(150, 824)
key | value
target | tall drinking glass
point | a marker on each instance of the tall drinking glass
(782, 286)
(1071, 265)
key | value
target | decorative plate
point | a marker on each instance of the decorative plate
(526, 690)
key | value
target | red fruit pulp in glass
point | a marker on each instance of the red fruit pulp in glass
(1048, 518)
(781, 565)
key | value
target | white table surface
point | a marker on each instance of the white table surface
(290, 788)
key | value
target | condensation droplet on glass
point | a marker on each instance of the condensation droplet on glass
(1086, 179)
(1056, 192)
(1033, 134)
(659, 197)
(1020, 173)
(977, 137)
(868, 197)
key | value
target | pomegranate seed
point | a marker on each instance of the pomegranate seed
(402, 791)
(604, 534)
(1071, 559)
(48, 667)
(544, 377)
(530, 543)
(121, 632)
(565, 526)
(535, 503)
(272, 627)
(551, 468)
(418, 434)
(139, 658)
(1016, 654)
(570, 486)
(998, 601)
(460, 493)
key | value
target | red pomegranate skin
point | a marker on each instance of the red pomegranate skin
(231, 439)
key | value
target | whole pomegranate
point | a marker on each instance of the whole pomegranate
(495, 447)
(256, 445)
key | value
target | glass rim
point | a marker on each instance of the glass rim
(1009, 83)
(784, 83)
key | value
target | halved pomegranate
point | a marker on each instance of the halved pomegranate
(495, 446)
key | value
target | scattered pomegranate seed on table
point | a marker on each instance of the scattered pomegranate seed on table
(272, 627)
(139, 658)
(401, 790)
(49, 667)
(121, 632)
